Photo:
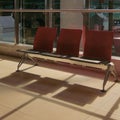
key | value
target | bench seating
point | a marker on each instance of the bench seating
(97, 49)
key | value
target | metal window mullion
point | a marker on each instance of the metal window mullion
(16, 15)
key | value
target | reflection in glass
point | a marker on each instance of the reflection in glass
(29, 25)
(30, 21)
(6, 4)
(33, 4)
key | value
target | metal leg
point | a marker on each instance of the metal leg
(110, 70)
(114, 73)
(33, 60)
(23, 58)
(107, 74)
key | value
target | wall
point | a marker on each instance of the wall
(9, 49)
(71, 19)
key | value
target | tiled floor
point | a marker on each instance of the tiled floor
(55, 92)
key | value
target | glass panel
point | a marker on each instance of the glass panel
(56, 4)
(99, 4)
(29, 25)
(116, 28)
(30, 21)
(116, 18)
(7, 22)
(7, 28)
(106, 21)
(6, 4)
(99, 21)
(33, 4)
(56, 16)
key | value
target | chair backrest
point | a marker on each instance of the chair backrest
(98, 45)
(69, 42)
(44, 39)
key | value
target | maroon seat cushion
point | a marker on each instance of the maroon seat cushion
(44, 39)
(69, 42)
(98, 45)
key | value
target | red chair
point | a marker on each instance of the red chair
(44, 39)
(69, 42)
(98, 45)
(43, 42)
(97, 53)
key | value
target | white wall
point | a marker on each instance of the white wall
(71, 19)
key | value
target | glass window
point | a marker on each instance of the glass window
(6, 4)
(116, 16)
(30, 21)
(56, 4)
(56, 16)
(99, 21)
(7, 22)
(33, 4)
(99, 4)
(7, 29)
(28, 26)
(106, 21)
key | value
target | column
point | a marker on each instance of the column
(71, 19)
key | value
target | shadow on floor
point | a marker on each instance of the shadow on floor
(80, 95)
(45, 85)
(19, 78)
(32, 82)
